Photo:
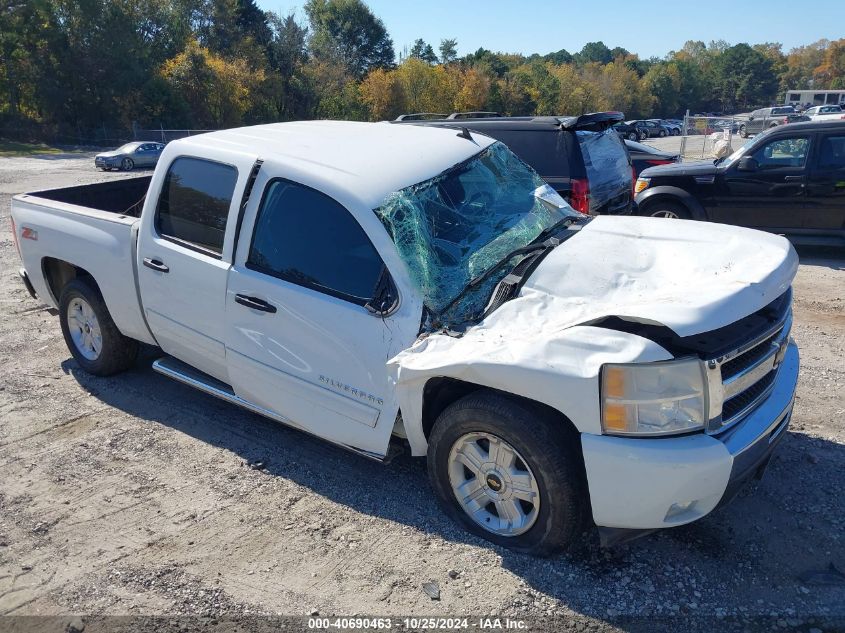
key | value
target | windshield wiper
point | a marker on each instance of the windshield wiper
(533, 247)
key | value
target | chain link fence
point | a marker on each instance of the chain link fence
(103, 135)
(710, 136)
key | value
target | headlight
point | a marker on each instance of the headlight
(653, 398)
(642, 183)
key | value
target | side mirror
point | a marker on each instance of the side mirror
(751, 118)
(748, 163)
(385, 298)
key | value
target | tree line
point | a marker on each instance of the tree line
(74, 67)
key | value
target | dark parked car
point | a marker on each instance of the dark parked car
(651, 128)
(674, 129)
(766, 118)
(789, 179)
(582, 157)
(129, 156)
(645, 156)
(630, 132)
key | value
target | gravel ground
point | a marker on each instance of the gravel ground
(136, 495)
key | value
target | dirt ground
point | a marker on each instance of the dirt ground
(136, 495)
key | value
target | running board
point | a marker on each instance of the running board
(184, 373)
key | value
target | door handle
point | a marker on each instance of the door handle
(255, 303)
(793, 178)
(156, 264)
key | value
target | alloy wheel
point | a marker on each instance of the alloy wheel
(493, 484)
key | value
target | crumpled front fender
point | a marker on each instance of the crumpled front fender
(559, 369)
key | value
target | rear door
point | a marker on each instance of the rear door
(826, 185)
(772, 196)
(300, 339)
(182, 272)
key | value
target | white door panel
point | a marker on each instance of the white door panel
(318, 360)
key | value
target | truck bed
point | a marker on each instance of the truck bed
(125, 196)
(92, 228)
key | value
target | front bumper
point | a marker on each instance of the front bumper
(647, 484)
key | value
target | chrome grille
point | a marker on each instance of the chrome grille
(740, 380)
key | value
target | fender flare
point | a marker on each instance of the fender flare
(666, 191)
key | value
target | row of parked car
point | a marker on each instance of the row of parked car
(788, 184)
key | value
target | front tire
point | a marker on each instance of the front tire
(509, 472)
(662, 133)
(633, 136)
(127, 164)
(90, 333)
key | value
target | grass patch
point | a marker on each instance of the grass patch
(14, 148)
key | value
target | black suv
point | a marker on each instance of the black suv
(582, 158)
(789, 179)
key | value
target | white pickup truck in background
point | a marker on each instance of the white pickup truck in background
(825, 113)
(364, 282)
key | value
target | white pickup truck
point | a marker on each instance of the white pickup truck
(364, 282)
(825, 113)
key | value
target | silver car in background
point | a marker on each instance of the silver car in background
(129, 156)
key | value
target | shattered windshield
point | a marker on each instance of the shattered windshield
(452, 228)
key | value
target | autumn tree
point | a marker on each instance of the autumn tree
(217, 91)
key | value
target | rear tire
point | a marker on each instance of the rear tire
(633, 136)
(662, 133)
(90, 333)
(526, 490)
(669, 210)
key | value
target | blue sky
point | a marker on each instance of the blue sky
(645, 27)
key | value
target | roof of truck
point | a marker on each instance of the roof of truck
(368, 160)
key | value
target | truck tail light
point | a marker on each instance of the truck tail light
(579, 199)
(15, 237)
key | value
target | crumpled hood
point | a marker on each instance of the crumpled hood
(690, 276)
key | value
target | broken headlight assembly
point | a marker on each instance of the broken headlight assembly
(649, 399)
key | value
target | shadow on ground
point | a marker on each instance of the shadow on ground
(758, 547)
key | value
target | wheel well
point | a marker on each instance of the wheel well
(439, 393)
(57, 274)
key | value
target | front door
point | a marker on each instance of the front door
(770, 192)
(181, 270)
(826, 186)
(302, 338)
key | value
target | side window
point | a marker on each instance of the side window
(307, 238)
(783, 152)
(194, 203)
(832, 153)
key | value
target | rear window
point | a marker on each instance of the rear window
(607, 164)
(543, 150)
(194, 203)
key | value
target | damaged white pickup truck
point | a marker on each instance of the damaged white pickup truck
(362, 281)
